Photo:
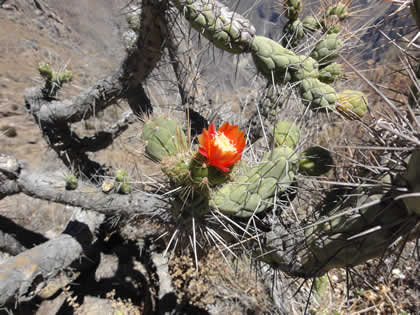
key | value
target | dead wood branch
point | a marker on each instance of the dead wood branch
(51, 187)
(54, 116)
(27, 274)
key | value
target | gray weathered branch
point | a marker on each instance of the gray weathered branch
(27, 274)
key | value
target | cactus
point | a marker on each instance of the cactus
(225, 29)
(342, 236)
(287, 133)
(164, 138)
(352, 103)
(330, 73)
(327, 49)
(53, 80)
(71, 182)
(123, 181)
(253, 190)
(315, 161)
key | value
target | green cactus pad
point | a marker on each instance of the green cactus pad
(163, 138)
(287, 134)
(330, 73)
(315, 161)
(327, 49)
(318, 94)
(254, 190)
(352, 103)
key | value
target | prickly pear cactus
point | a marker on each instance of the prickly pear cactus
(253, 190)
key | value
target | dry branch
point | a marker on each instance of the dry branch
(27, 274)
(51, 186)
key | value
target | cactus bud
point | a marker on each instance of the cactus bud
(71, 182)
(315, 161)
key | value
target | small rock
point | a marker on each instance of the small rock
(8, 131)
(108, 185)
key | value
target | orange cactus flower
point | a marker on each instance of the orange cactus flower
(223, 147)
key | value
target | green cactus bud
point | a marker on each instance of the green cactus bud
(123, 180)
(311, 23)
(293, 8)
(124, 188)
(71, 182)
(121, 175)
(45, 71)
(253, 189)
(287, 134)
(163, 138)
(272, 59)
(203, 174)
(294, 32)
(304, 68)
(330, 73)
(340, 10)
(352, 104)
(53, 80)
(327, 49)
(317, 94)
(315, 161)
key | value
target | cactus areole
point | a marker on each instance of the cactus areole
(222, 148)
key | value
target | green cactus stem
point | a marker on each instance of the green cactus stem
(330, 73)
(287, 134)
(352, 104)
(345, 240)
(327, 49)
(253, 189)
(164, 138)
(315, 161)
(227, 30)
